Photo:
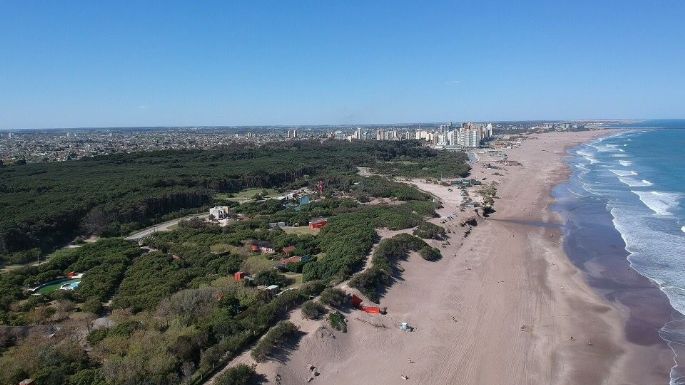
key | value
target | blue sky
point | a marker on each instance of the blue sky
(154, 63)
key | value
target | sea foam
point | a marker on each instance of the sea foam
(658, 201)
(588, 156)
(623, 172)
(632, 182)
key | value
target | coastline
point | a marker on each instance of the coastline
(594, 244)
(503, 305)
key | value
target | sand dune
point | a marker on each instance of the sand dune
(503, 306)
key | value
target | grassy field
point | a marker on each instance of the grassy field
(300, 230)
(296, 279)
(247, 195)
(258, 263)
(222, 248)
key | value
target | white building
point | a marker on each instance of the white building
(219, 212)
(358, 134)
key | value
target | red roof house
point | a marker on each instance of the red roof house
(317, 224)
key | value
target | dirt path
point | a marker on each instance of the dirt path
(161, 227)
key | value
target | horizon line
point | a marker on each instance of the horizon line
(332, 124)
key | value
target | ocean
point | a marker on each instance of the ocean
(624, 205)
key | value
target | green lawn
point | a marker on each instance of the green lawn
(247, 195)
(300, 230)
(258, 263)
(221, 248)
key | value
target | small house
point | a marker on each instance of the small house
(219, 212)
(317, 223)
(268, 291)
(239, 276)
(264, 247)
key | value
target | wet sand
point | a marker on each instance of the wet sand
(596, 247)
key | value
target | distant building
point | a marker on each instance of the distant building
(472, 135)
(219, 212)
(358, 135)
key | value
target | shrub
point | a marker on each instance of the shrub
(273, 339)
(97, 335)
(430, 253)
(239, 375)
(335, 297)
(87, 377)
(312, 288)
(92, 305)
(338, 322)
(271, 277)
(313, 310)
(427, 230)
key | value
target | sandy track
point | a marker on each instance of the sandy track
(161, 227)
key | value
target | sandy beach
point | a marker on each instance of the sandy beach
(503, 306)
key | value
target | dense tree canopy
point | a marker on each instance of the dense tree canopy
(175, 313)
(45, 205)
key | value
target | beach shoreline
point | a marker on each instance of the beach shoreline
(505, 304)
(594, 244)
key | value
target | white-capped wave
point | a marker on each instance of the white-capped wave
(655, 254)
(624, 172)
(658, 201)
(605, 147)
(588, 156)
(625, 163)
(632, 182)
(682, 229)
(620, 155)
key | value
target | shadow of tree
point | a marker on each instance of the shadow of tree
(282, 353)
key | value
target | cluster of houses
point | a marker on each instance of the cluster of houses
(284, 264)
(294, 200)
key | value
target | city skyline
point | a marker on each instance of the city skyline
(84, 64)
